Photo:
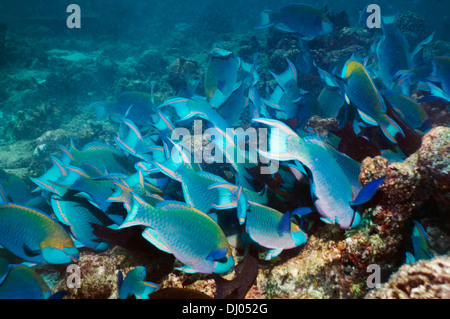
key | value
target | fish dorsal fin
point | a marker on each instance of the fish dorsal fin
(172, 204)
(58, 210)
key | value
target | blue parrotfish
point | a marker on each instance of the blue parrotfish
(135, 284)
(361, 91)
(23, 282)
(221, 76)
(288, 81)
(419, 243)
(392, 53)
(440, 74)
(32, 235)
(188, 108)
(228, 195)
(52, 174)
(135, 106)
(190, 235)
(300, 18)
(78, 214)
(98, 158)
(269, 227)
(304, 61)
(124, 189)
(411, 111)
(195, 184)
(331, 101)
(131, 141)
(13, 189)
(331, 184)
(96, 191)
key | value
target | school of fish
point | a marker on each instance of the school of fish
(162, 177)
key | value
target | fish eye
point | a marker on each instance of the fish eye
(223, 260)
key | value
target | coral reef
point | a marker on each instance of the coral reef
(425, 279)
(333, 263)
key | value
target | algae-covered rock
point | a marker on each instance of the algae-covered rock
(99, 272)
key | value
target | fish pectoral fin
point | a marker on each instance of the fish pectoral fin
(326, 220)
(367, 119)
(301, 211)
(187, 269)
(152, 236)
(217, 254)
(31, 252)
(273, 253)
(284, 226)
(366, 193)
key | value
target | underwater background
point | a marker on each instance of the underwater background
(86, 151)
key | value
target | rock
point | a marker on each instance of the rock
(425, 279)
(151, 61)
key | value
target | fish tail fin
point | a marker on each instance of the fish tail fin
(99, 109)
(265, 20)
(389, 23)
(181, 107)
(227, 195)
(391, 129)
(139, 213)
(162, 122)
(278, 140)
(120, 193)
(72, 148)
(438, 92)
(170, 167)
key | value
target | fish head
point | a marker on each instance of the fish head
(299, 237)
(224, 264)
(60, 254)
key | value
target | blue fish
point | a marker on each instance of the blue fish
(221, 76)
(361, 91)
(300, 18)
(190, 235)
(440, 74)
(33, 236)
(98, 158)
(420, 244)
(78, 214)
(195, 184)
(410, 111)
(135, 106)
(331, 183)
(392, 53)
(24, 283)
(268, 227)
(135, 284)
